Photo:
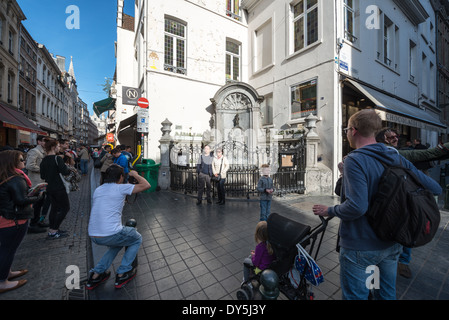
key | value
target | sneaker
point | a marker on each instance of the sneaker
(56, 235)
(93, 283)
(404, 270)
(125, 278)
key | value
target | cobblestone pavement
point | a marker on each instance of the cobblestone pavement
(192, 252)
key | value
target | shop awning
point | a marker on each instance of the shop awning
(104, 105)
(398, 111)
(128, 122)
(14, 119)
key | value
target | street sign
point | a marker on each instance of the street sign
(143, 102)
(130, 95)
(142, 120)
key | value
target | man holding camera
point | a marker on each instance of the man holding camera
(106, 229)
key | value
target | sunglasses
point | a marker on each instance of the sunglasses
(345, 130)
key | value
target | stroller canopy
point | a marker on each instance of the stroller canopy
(283, 235)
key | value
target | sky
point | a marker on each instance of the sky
(91, 43)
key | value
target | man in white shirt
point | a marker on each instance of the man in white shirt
(106, 229)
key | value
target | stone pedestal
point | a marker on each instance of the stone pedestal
(165, 142)
(318, 177)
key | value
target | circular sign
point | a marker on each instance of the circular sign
(143, 102)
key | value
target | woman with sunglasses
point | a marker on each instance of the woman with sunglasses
(15, 210)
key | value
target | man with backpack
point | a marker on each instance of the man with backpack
(362, 252)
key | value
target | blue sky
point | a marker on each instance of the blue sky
(91, 46)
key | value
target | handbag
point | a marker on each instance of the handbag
(305, 264)
(218, 177)
(67, 185)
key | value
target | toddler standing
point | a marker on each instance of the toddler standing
(265, 187)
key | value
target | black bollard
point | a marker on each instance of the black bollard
(269, 285)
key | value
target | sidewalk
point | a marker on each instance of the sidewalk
(192, 252)
(47, 260)
(195, 252)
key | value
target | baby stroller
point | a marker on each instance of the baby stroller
(284, 234)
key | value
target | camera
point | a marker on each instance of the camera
(132, 180)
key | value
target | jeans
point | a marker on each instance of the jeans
(221, 190)
(10, 239)
(60, 205)
(406, 255)
(203, 179)
(127, 237)
(265, 208)
(356, 273)
(83, 166)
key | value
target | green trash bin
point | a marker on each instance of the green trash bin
(150, 171)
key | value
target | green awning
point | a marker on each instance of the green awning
(104, 105)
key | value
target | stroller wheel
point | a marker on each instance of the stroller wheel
(242, 295)
(249, 291)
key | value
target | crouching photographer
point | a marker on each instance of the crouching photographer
(106, 229)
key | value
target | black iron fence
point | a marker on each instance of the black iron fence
(241, 180)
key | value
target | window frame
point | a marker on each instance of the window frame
(177, 39)
(305, 85)
(232, 56)
(350, 35)
(304, 15)
(231, 10)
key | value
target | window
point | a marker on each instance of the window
(388, 52)
(303, 99)
(305, 24)
(233, 9)
(432, 80)
(233, 51)
(412, 61)
(263, 47)
(175, 46)
(267, 110)
(349, 16)
(10, 87)
(11, 42)
(424, 76)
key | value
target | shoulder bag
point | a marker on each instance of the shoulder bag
(66, 184)
(218, 178)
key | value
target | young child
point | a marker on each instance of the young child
(74, 177)
(262, 256)
(265, 187)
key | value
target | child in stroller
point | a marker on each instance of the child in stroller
(283, 236)
(262, 256)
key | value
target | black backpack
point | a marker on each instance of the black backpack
(402, 210)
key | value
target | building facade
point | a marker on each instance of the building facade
(292, 59)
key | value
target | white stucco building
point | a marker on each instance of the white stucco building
(300, 57)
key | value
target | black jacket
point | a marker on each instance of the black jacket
(50, 172)
(14, 202)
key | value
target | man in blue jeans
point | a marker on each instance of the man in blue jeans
(84, 160)
(362, 253)
(106, 229)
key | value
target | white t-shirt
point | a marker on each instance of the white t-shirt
(106, 213)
